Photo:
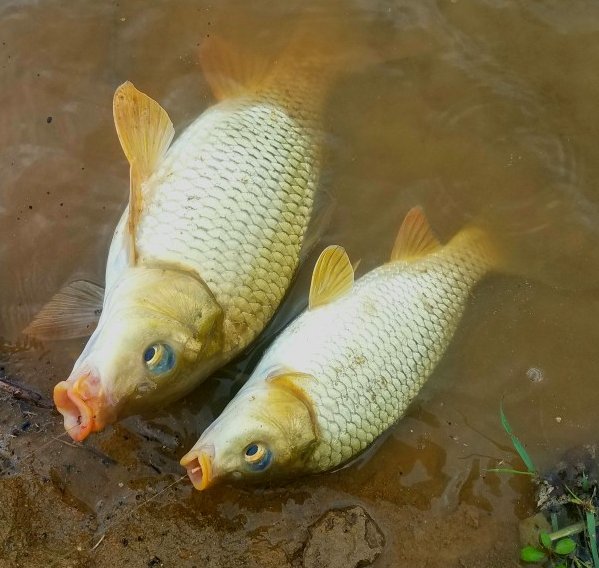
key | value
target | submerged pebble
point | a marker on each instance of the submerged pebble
(535, 374)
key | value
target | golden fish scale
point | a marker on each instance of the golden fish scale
(371, 351)
(232, 201)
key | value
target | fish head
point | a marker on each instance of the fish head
(160, 333)
(266, 431)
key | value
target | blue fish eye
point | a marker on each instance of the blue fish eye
(258, 456)
(159, 358)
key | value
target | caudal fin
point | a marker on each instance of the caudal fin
(321, 48)
(480, 242)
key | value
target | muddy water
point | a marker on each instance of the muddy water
(480, 110)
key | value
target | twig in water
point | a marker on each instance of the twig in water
(99, 542)
(21, 393)
(67, 443)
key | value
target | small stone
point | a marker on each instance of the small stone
(343, 538)
(558, 419)
(535, 374)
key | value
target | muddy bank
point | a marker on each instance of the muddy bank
(155, 519)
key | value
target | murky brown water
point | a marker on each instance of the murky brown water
(473, 110)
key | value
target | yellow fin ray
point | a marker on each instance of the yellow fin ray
(333, 276)
(415, 238)
(321, 45)
(295, 383)
(73, 312)
(145, 132)
(228, 72)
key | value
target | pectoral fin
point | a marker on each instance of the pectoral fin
(73, 312)
(295, 383)
(333, 276)
(145, 132)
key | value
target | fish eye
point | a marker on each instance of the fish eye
(257, 456)
(159, 358)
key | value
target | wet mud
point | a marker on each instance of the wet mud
(159, 522)
(121, 500)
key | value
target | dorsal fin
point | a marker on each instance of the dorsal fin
(415, 238)
(145, 132)
(333, 276)
(230, 73)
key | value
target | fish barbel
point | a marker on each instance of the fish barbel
(209, 242)
(347, 368)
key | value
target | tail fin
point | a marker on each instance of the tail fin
(229, 73)
(479, 242)
(321, 48)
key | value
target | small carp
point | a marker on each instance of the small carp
(347, 368)
(209, 242)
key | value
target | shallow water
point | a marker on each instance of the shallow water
(473, 110)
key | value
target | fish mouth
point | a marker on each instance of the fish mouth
(199, 467)
(80, 401)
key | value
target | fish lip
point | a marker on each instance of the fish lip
(199, 465)
(80, 402)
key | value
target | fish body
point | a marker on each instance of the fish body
(209, 242)
(353, 363)
(231, 202)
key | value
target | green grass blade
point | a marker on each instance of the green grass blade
(592, 533)
(530, 466)
(574, 498)
(568, 531)
(507, 470)
(554, 525)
